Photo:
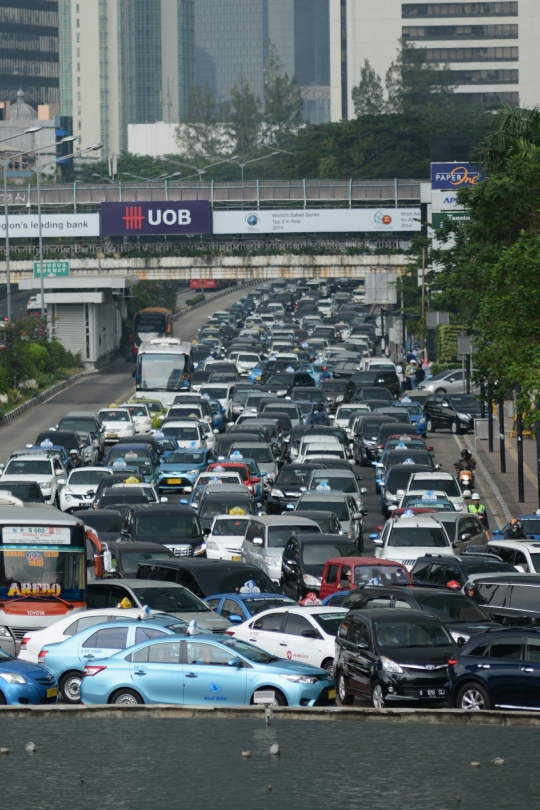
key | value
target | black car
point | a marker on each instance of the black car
(286, 381)
(366, 393)
(222, 499)
(290, 483)
(366, 431)
(227, 440)
(393, 656)
(115, 496)
(68, 439)
(127, 556)
(326, 521)
(25, 491)
(510, 598)
(85, 422)
(498, 670)
(207, 577)
(129, 475)
(437, 572)
(384, 378)
(337, 392)
(455, 412)
(459, 614)
(107, 523)
(172, 525)
(304, 558)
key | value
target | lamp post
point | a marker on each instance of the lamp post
(247, 162)
(199, 172)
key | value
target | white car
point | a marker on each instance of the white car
(439, 482)
(523, 555)
(81, 487)
(209, 432)
(305, 634)
(245, 361)
(34, 641)
(142, 418)
(117, 423)
(226, 536)
(404, 539)
(186, 432)
(49, 473)
(212, 477)
(344, 412)
(223, 392)
(319, 450)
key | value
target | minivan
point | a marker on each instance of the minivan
(266, 537)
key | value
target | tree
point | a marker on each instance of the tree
(282, 99)
(368, 96)
(245, 118)
(203, 129)
(517, 133)
(416, 86)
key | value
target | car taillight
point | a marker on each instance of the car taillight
(41, 656)
(89, 671)
(24, 642)
(452, 662)
(229, 633)
(380, 446)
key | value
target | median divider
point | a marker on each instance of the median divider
(5, 419)
(210, 298)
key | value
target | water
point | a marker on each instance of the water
(138, 763)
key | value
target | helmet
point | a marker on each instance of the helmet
(465, 453)
(516, 526)
(475, 496)
(454, 584)
(73, 452)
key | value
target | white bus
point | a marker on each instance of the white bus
(164, 368)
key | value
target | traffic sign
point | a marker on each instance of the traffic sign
(52, 269)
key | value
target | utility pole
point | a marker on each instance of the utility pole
(490, 422)
(423, 283)
(519, 436)
(502, 449)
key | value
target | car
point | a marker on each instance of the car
(511, 598)
(438, 481)
(117, 422)
(81, 486)
(366, 393)
(523, 555)
(444, 572)
(174, 526)
(393, 657)
(239, 607)
(338, 481)
(394, 484)
(531, 527)
(266, 537)
(155, 407)
(127, 494)
(67, 659)
(416, 414)
(456, 412)
(48, 473)
(87, 422)
(405, 539)
(221, 499)
(159, 596)
(227, 532)
(446, 382)
(188, 433)
(342, 505)
(366, 431)
(464, 530)
(344, 413)
(260, 452)
(137, 454)
(181, 468)
(423, 502)
(26, 491)
(207, 577)
(204, 670)
(48, 440)
(342, 573)
(497, 670)
(291, 481)
(337, 392)
(247, 469)
(326, 521)
(222, 391)
(304, 634)
(22, 682)
(125, 557)
(304, 558)
(142, 418)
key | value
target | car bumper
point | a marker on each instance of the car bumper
(29, 694)
(224, 554)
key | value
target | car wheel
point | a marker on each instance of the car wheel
(360, 542)
(70, 687)
(345, 698)
(430, 426)
(126, 697)
(328, 665)
(455, 428)
(440, 391)
(279, 697)
(3, 701)
(473, 697)
(377, 697)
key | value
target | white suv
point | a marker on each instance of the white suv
(49, 473)
(405, 539)
(117, 423)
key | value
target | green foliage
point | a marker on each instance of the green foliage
(196, 299)
(205, 118)
(245, 118)
(368, 96)
(38, 357)
(415, 86)
(152, 294)
(282, 100)
(446, 338)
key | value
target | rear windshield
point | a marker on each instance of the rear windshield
(29, 492)
(338, 507)
(173, 525)
(279, 535)
(230, 504)
(103, 523)
(318, 554)
(447, 485)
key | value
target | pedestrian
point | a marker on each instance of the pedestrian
(410, 376)
(478, 509)
(401, 377)
(420, 374)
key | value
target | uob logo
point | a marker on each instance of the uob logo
(134, 217)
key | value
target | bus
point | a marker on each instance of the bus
(164, 368)
(209, 284)
(150, 323)
(43, 562)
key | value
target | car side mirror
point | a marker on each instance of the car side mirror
(61, 481)
(467, 493)
(363, 490)
(362, 645)
(357, 515)
(258, 541)
(235, 618)
(377, 541)
(461, 641)
(292, 563)
(430, 449)
(465, 537)
(311, 633)
(206, 532)
(164, 500)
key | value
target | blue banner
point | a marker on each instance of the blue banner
(447, 176)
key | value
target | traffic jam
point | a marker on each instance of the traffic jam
(207, 541)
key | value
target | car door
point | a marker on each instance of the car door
(103, 643)
(300, 640)
(502, 669)
(290, 568)
(231, 607)
(447, 413)
(265, 632)
(360, 654)
(530, 673)
(436, 410)
(212, 675)
(156, 672)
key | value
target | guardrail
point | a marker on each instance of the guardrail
(220, 294)
(5, 419)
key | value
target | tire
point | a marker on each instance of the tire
(377, 697)
(440, 391)
(430, 427)
(328, 665)
(70, 687)
(345, 698)
(360, 542)
(473, 697)
(3, 701)
(279, 697)
(454, 427)
(126, 697)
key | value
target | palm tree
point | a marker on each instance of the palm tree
(516, 134)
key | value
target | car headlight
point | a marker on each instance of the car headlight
(459, 506)
(421, 421)
(193, 472)
(12, 677)
(213, 546)
(4, 632)
(312, 582)
(299, 678)
(466, 417)
(271, 560)
(281, 392)
(45, 486)
(390, 666)
(459, 637)
(339, 399)
(276, 493)
(68, 497)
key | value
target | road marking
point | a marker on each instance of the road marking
(499, 500)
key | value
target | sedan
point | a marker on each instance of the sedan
(24, 683)
(239, 607)
(226, 537)
(117, 423)
(204, 671)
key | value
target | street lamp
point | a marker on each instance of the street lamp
(5, 164)
(152, 179)
(105, 179)
(200, 172)
(255, 160)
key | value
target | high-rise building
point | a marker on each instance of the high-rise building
(492, 47)
(29, 50)
(133, 60)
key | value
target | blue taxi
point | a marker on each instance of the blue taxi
(180, 469)
(416, 414)
(239, 607)
(531, 527)
(24, 683)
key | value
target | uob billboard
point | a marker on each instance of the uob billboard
(160, 218)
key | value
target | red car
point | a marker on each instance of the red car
(344, 573)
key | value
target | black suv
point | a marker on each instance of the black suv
(206, 577)
(380, 377)
(304, 558)
(510, 598)
(393, 656)
(437, 572)
(172, 525)
(455, 412)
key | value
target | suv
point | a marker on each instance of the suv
(524, 556)
(172, 525)
(207, 577)
(85, 422)
(405, 539)
(437, 571)
(456, 413)
(266, 537)
(509, 598)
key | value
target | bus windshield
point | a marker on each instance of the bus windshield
(163, 372)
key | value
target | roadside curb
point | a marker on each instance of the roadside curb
(220, 294)
(44, 396)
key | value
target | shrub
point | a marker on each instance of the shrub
(196, 300)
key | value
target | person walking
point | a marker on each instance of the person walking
(401, 377)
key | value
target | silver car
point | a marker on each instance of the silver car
(266, 537)
(447, 382)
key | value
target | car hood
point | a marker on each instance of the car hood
(419, 656)
(294, 667)
(205, 620)
(26, 668)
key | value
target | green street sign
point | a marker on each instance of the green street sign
(453, 216)
(52, 269)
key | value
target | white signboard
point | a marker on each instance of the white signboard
(381, 288)
(36, 535)
(445, 201)
(318, 220)
(24, 226)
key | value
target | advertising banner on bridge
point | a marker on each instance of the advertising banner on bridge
(157, 218)
(318, 220)
(25, 226)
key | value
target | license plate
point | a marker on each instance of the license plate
(236, 558)
(112, 435)
(331, 693)
(52, 692)
(431, 693)
(174, 480)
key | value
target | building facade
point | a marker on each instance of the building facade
(491, 46)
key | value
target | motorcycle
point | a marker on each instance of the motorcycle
(466, 478)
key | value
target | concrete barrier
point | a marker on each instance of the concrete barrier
(43, 397)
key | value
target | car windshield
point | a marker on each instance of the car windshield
(170, 600)
(22, 467)
(114, 416)
(229, 526)
(464, 402)
(258, 604)
(319, 553)
(402, 536)
(24, 490)
(181, 433)
(137, 410)
(83, 478)
(314, 395)
(412, 634)
(340, 483)
(330, 621)
(260, 453)
(249, 651)
(230, 504)
(380, 575)
(297, 475)
(338, 507)
(131, 559)
(185, 412)
(103, 523)
(370, 430)
(169, 525)
(530, 526)
(447, 485)
(137, 456)
(452, 607)
(83, 425)
(215, 391)
(414, 407)
(279, 535)
(401, 457)
(186, 458)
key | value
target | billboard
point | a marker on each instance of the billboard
(160, 218)
(445, 201)
(381, 288)
(25, 226)
(447, 176)
(318, 220)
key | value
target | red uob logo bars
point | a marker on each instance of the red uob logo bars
(134, 218)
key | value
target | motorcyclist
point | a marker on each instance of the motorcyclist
(74, 461)
(466, 461)
(325, 374)
(515, 531)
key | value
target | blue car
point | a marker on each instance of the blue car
(179, 471)
(316, 370)
(416, 413)
(67, 659)
(26, 684)
(50, 450)
(195, 498)
(531, 527)
(239, 607)
(167, 445)
(255, 374)
(202, 670)
(335, 599)
(314, 413)
(219, 414)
